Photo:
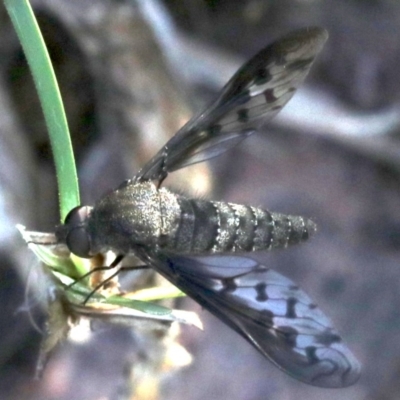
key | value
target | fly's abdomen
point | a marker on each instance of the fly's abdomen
(244, 228)
(197, 228)
(217, 227)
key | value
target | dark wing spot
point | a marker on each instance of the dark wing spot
(269, 96)
(214, 130)
(267, 317)
(228, 285)
(327, 338)
(289, 334)
(291, 307)
(261, 291)
(243, 115)
(311, 355)
(263, 76)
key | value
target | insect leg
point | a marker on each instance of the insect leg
(102, 283)
(116, 261)
(125, 268)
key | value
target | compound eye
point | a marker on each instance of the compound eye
(78, 241)
(77, 237)
(77, 216)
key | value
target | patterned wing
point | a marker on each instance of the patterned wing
(253, 96)
(268, 310)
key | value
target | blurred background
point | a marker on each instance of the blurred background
(131, 73)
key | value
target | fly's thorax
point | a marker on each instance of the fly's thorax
(133, 215)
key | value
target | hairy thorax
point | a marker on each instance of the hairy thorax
(136, 215)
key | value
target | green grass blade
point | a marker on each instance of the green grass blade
(32, 42)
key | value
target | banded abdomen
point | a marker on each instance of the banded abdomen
(208, 226)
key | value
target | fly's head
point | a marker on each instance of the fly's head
(74, 232)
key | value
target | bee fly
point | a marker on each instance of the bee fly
(198, 245)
